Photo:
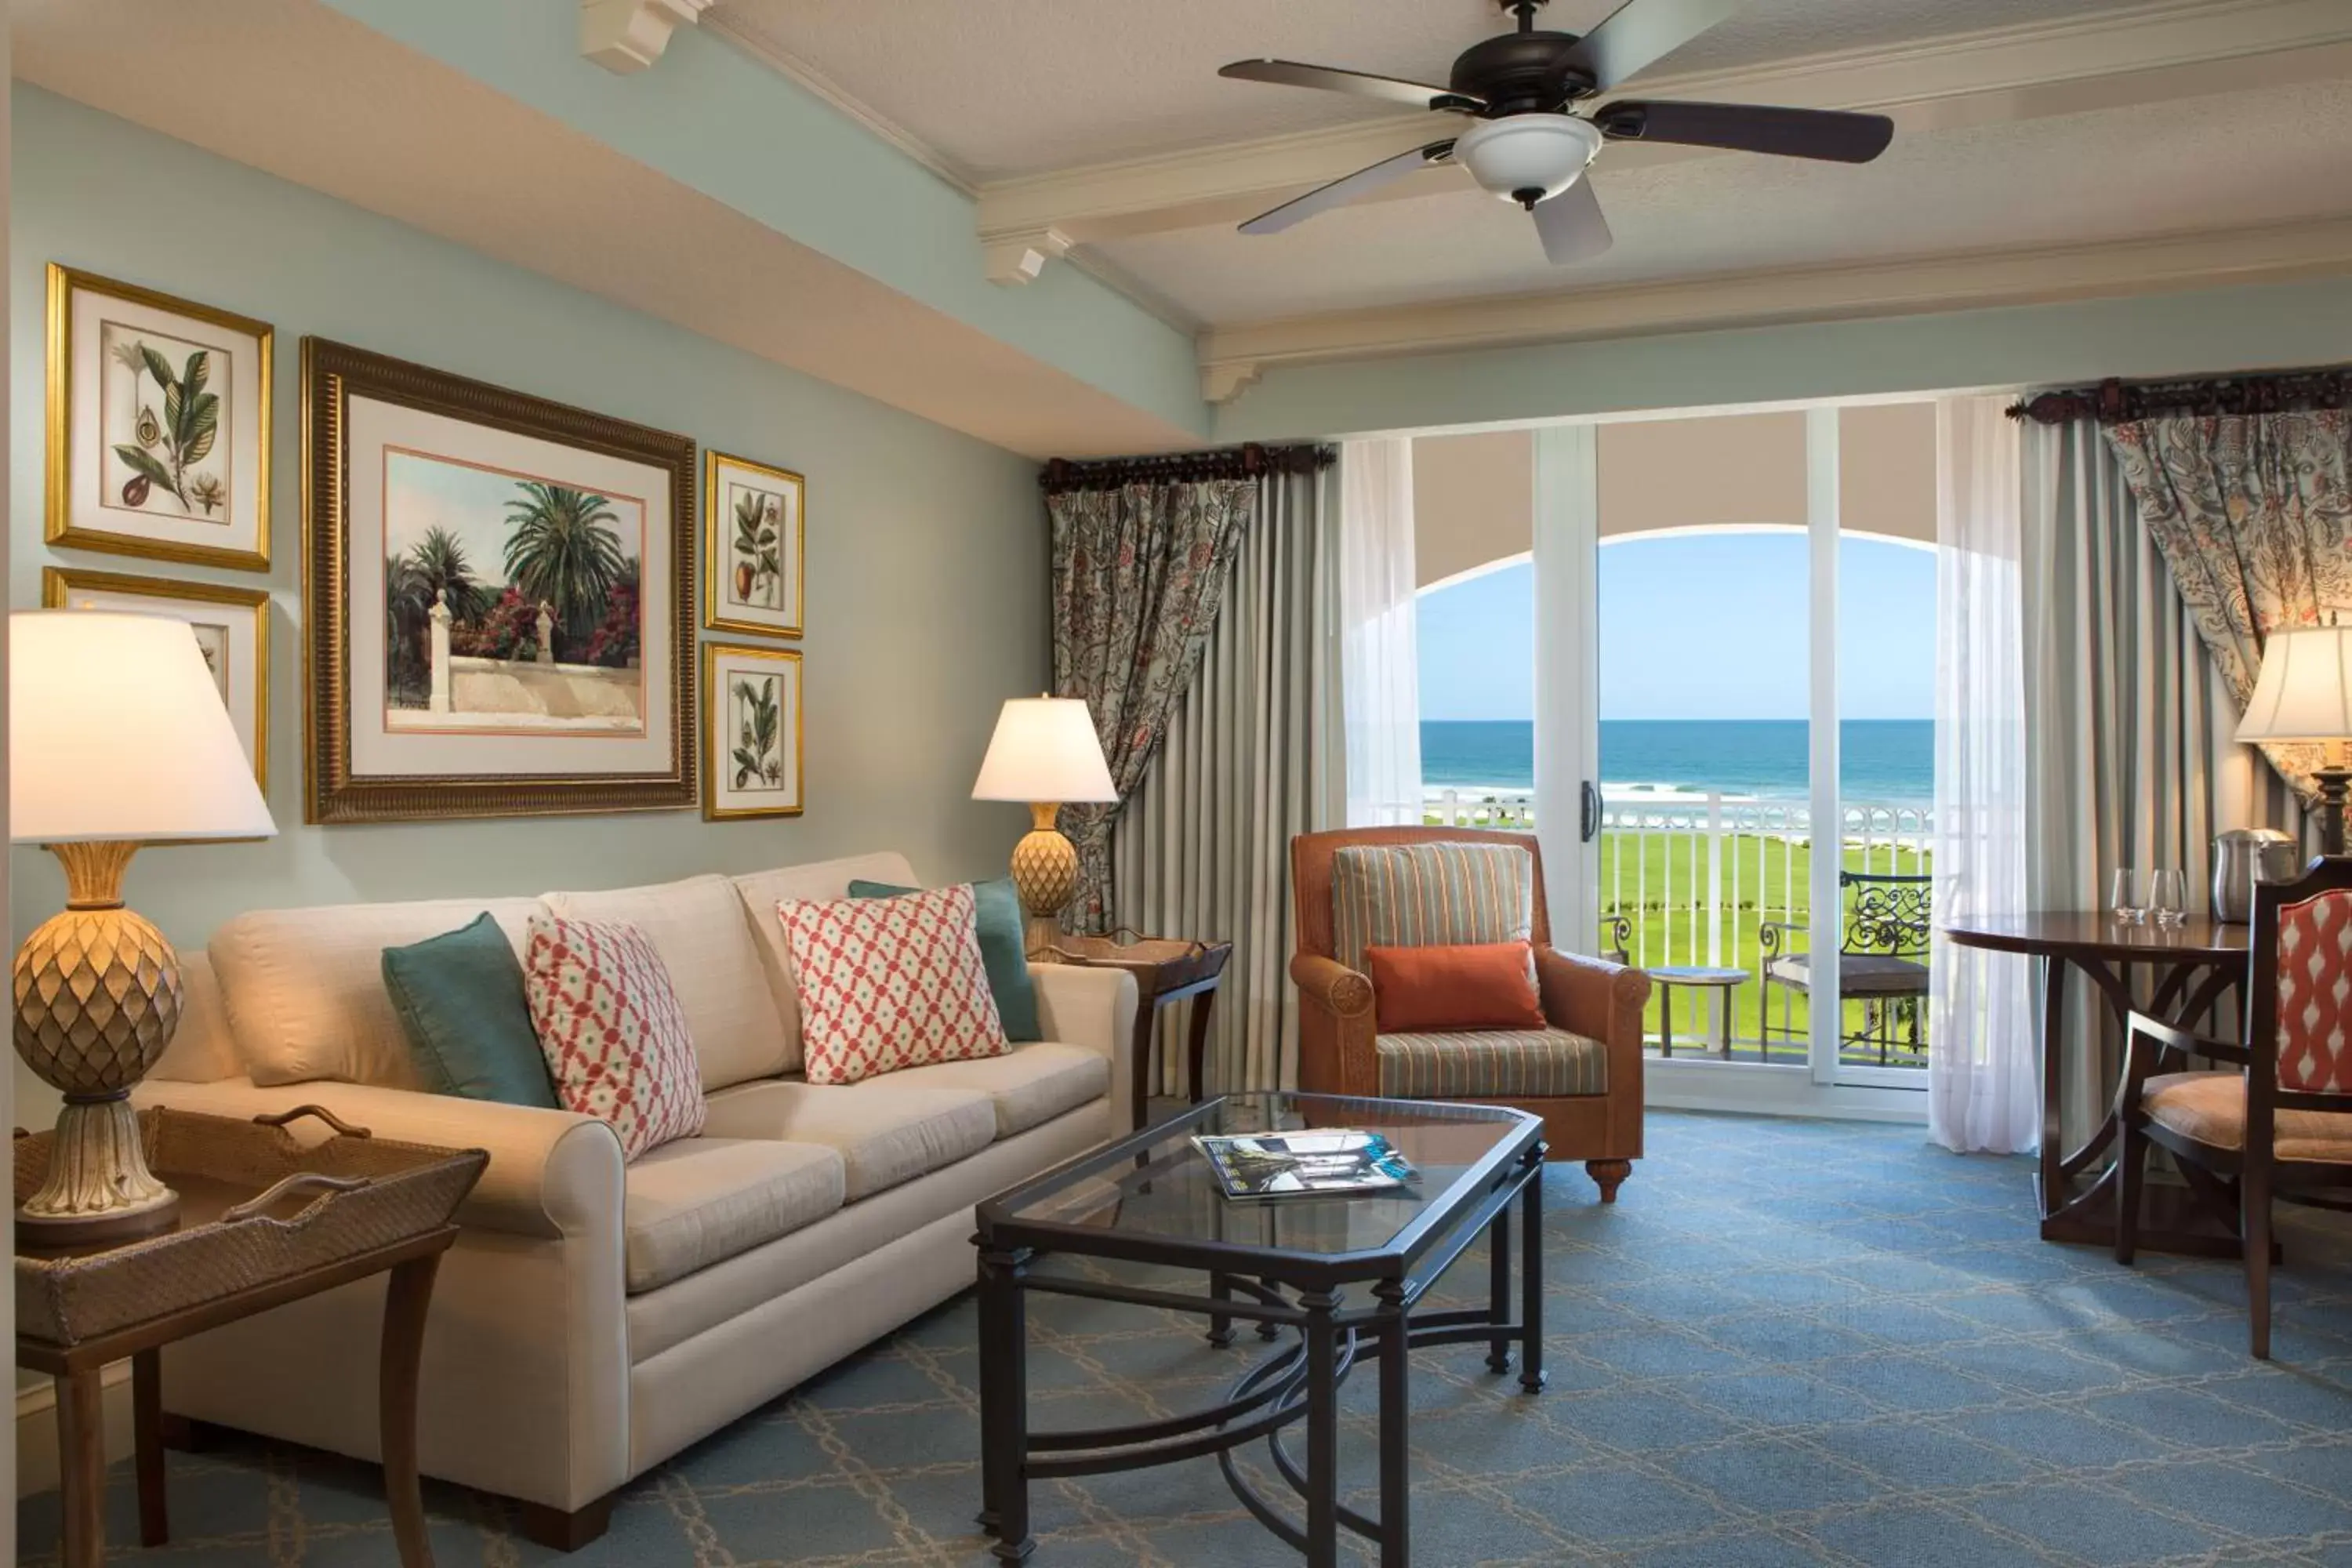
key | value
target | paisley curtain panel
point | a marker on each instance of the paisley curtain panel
(2253, 516)
(1138, 572)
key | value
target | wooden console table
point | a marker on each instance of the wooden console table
(1165, 970)
(2193, 965)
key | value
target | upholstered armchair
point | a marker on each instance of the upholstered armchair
(1407, 887)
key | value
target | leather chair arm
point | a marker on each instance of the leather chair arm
(1591, 996)
(1331, 985)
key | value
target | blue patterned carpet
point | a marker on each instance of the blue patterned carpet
(1791, 1343)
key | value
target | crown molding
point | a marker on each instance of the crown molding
(1231, 358)
(627, 35)
(2145, 53)
(795, 70)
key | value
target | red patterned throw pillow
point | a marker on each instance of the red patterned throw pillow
(612, 1030)
(888, 984)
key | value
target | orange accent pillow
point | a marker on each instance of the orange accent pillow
(1481, 985)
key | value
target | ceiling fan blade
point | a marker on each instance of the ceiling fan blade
(1290, 73)
(1348, 187)
(1572, 226)
(1833, 135)
(1640, 32)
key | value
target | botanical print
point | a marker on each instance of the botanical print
(165, 436)
(511, 602)
(211, 641)
(755, 577)
(753, 526)
(751, 731)
(157, 419)
(759, 754)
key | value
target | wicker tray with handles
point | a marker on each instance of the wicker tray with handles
(364, 1193)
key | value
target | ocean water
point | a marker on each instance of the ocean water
(1890, 760)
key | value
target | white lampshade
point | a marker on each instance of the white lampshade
(116, 730)
(1044, 750)
(2305, 689)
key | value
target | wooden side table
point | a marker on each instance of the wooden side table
(81, 1436)
(1165, 970)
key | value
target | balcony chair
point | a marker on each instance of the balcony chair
(1881, 960)
(1404, 887)
(2278, 1122)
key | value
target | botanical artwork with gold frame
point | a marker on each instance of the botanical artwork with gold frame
(754, 530)
(752, 731)
(231, 625)
(499, 611)
(158, 414)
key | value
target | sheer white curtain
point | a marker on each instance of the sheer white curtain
(1380, 671)
(1983, 1092)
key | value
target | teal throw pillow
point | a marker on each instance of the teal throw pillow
(1004, 950)
(460, 1000)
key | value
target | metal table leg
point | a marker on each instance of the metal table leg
(1003, 1403)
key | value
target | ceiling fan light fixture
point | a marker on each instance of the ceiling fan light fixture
(1527, 157)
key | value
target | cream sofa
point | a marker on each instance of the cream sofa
(594, 1317)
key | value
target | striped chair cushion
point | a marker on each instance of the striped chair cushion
(1502, 1063)
(1429, 895)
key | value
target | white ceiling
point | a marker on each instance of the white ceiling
(2224, 161)
(1000, 90)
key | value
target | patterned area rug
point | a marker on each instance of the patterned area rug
(1791, 1343)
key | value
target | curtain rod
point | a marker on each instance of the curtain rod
(1245, 462)
(2114, 402)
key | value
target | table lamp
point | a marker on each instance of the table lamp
(2304, 693)
(1044, 754)
(117, 735)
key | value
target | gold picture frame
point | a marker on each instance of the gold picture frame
(171, 518)
(376, 749)
(63, 586)
(733, 744)
(735, 570)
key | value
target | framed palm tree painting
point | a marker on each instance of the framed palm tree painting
(751, 731)
(499, 620)
(754, 526)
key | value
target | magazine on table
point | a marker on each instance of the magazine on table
(1318, 1163)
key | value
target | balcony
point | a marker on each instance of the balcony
(1724, 883)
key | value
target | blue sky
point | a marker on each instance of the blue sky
(1696, 626)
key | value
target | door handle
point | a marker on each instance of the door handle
(1590, 827)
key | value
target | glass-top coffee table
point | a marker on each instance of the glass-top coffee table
(1342, 1273)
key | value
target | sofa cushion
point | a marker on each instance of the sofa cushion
(884, 1132)
(1004, 948)
(1455, 986)
(697, 926)
(615, 1034)
(304, 992)
(1429, 895)
(890, 983)
(760, 893)
(1492, 1063)
(460, 1000)
(698, 1201)
(1029, 1085)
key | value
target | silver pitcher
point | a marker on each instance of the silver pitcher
(2242, 856)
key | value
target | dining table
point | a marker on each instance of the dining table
(2177, 973)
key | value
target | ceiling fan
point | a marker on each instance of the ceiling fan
(1526, 141)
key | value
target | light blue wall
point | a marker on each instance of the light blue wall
(2206, 332)
(712, 118)
(926, 548)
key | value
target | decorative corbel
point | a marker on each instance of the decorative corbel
(1017, 257)
(1222, 381)
(625, 35)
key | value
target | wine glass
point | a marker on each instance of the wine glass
(2167, 897)
(2128, 902)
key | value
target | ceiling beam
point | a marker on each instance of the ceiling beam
(1231, 358)
(2145, 53)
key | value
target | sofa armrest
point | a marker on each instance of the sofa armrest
(1094, 1007)
(551, 1173)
